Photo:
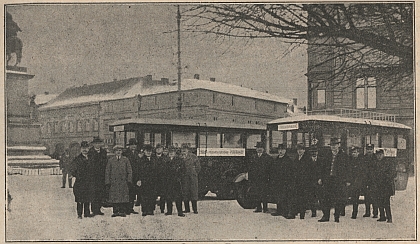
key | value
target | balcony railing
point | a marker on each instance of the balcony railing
(354, 113)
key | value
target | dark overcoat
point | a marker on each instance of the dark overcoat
(134, 159)
(358, 171)
(160, 170)
(147, 175)
(190, 178)
(382, 184)
(66, 164)
(99, 162)
(173, 174)
(259, 174)
(118, 176)
(282, 178)
(83, 188)
(334, 181)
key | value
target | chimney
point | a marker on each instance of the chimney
(197, 76)
(213, 79)
(295, 101)
(165, 81)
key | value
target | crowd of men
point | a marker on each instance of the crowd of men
(330, 179)
(132, 177)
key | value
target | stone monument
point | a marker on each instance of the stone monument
(23, 133)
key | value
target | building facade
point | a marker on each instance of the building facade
(80, 113)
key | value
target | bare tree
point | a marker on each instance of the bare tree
(345, 40)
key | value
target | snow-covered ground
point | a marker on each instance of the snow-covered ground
(41, 210)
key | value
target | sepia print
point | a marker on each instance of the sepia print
(197, 122)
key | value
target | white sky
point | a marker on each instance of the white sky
(71, 45)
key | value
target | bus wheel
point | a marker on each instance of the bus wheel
(242, 196)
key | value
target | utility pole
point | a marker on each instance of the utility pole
(179, 103)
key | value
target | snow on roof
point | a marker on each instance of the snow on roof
(196, 123)
(44, 98)
(333, 118)
(137, 86)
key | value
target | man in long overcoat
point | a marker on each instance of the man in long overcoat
(160, 181)
(173, 174)
(382, 186)
(333, 178)
(369, 159)
(98, 157)
(118, 179)
(358, 171)
(83, 188)
(302, 178)
(132, 155)
(65, 166)
(307, 178)
(283, 183)
(258, 177)
(147, 181)
(190, 179)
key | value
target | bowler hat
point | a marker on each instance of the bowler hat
(259, 145)
(97, 140)
(281, 146)
(335, 141)
(300, 146)
(159, 145)
(84, 144)
(132, 141)
(118, 147)
(148, 147)
(369, 146)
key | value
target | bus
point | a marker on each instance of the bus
(222, 147)
(356, 130)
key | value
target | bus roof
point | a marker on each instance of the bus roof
(193, 123)
(333, 118)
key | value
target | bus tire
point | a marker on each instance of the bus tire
(242, 196)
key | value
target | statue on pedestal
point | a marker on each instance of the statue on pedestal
(13, 44)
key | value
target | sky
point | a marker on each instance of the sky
(67, 45)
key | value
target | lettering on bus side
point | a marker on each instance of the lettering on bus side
(215, 152)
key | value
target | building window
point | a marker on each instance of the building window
(255, 104)
(95, 125)
(214, 97)
(321, 98)
(87, 125)
(71, 126)
(366, 93)
(232, 101)
(56, 127)
(79, 126)
(49, 128)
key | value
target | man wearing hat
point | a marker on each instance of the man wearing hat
(132, 155)
(82, 189)
(282, 182)
(161, 169)
(382, 185)
(358, 171)
(147, 181)
(118, 179)
(258, 177)
(333, 182)
(369, 160)
(190, 179)
(302, 176)
(99, 160)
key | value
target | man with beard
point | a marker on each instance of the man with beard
(132, 155)
(333, 182)
(369, 159)
(98, 157)
(358, 171)
(282, 182)
(258, 177)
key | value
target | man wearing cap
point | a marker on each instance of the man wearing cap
(147, 181)
(173, 175)
(132, 155)
(99, 160)
(333, 182)
(358, 172)
(190, 179)
(258, 177)
(309, 175)
(282, 182)
(369, 160)
(82, 189)
(118, 179)
(383, 184)
(161, 169)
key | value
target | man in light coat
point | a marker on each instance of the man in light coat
(190, 178)
(118, 179)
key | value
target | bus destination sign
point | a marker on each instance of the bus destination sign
(293, 126)
(226, 152)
